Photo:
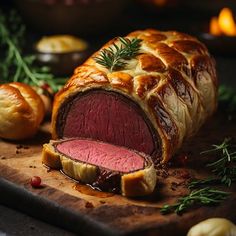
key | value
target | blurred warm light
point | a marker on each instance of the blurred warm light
(160, 2)
(214, 26)
(224, 24)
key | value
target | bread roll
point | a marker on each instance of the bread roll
(21, 110)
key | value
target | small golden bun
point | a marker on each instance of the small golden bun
(21, 111)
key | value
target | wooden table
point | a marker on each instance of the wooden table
(65, 203)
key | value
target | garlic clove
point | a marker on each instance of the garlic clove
(213, 227)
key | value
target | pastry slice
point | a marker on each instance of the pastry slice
(102, 165)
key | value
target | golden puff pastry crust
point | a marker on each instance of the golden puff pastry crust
(173, 80)
(21, 109)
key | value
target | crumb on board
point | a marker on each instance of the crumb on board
(89, 205)
(20, 146)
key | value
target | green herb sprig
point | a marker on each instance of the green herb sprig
(225, 170)
(114, 58)
(15, 66)
(224, 167)
(204, 196)
(196, 183)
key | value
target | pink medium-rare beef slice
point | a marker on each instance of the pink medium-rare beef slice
(103, 166)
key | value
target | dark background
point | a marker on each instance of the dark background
(182, 15)
(186, 16)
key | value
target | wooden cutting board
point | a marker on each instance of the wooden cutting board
(75, 207)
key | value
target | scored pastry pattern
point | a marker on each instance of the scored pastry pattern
(173, 79)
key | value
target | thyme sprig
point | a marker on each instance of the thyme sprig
(204, 196)
(114, 58)
(15, 66)
(224, 167)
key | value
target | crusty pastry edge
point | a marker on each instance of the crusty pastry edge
(137, 183)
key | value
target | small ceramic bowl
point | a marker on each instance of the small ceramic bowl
(62, 64)
(62, 53)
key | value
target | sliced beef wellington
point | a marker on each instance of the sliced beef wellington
(103, 166)
(151, 103)
(157, 95)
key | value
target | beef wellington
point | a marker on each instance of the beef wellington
(150, 102)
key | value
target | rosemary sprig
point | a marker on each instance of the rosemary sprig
(204, 196)
(16, 67)
(114, 58)
(196, 183)
(224, 167)
(218, 147)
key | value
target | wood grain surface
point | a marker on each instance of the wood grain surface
(63, 202)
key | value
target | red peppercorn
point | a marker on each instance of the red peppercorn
(35, 182)
(45, 86)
